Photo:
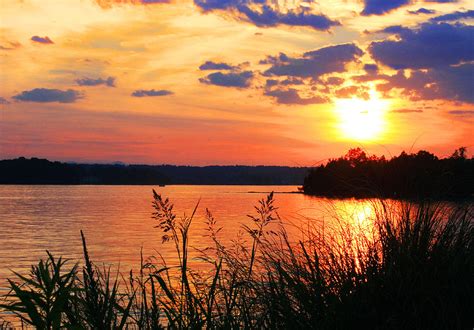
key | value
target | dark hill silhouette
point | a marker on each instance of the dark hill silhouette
(42, 171)
(407, 176)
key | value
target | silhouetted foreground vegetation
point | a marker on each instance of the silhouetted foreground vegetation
(407, 176)
(42, 171)
(412, 268)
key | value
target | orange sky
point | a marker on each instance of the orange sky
(233, 81)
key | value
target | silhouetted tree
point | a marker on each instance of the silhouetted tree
(419, 175)
(459, 153)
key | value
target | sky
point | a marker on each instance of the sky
(257, 82)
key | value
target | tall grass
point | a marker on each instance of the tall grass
(414, 268)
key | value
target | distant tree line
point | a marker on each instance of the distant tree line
(410, 176)
(42, 171)
(357, 174)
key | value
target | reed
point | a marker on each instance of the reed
(414, 268)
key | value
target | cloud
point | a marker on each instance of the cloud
(314, 63)
(462, 112)
(370, 76)
(351, 91)
(442, 1)
(395, 29)
(210, 5)
(151, 92)
(110, 82)
(268, 17)
(291, 96)
(334, 81)
(282, 57)
(9, 45)
(380, 7)
(371, 68)
(292, 81)
(42, 40)
(406, 111)
(231, 79)
(454, 16)
(3, 100)
(43, 95)
(439, 58)
(431, 45)
(308, 73)
(422, 11)
(271, 82)
(449, 83)
(107, 4)
(264, 13)
(210, 65)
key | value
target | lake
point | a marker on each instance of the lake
(117, 219)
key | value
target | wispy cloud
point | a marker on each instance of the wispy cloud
(442, 1)
(151, 92)
(110, 81)
(210, 65)
(462, 112)
(106, 4)
(454, 16)
(291, 96)
(9, 45)
(381, 7)
(4, 100)
(406, 111)
(424, 11)
(361, 92)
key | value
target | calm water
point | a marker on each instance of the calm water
(117, 219)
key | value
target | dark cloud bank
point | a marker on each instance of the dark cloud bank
(440, 56)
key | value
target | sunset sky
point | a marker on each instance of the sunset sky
(234, 81)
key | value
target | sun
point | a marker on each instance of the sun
(360, 119)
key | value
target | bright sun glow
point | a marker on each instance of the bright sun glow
(362, 119)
